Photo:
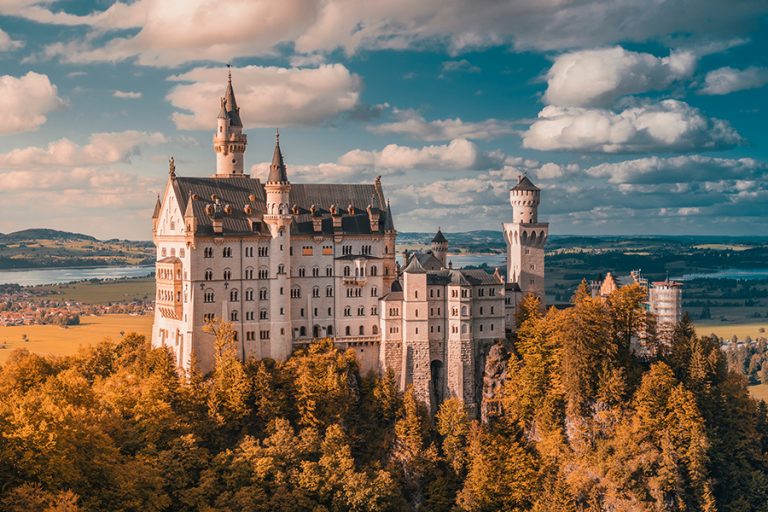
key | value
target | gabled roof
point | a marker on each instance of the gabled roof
(414, 267)
(428, 260)
(525, 184)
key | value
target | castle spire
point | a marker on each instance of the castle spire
(230, 103)
(277, 172)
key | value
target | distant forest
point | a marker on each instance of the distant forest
(577, 423)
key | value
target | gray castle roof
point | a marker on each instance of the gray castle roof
(525, 184)
(233, 111)
(237, 192)
(277, 172)
(439, 238)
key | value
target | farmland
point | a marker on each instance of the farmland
(55, 340)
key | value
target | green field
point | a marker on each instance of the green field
(102, 293)
(759, 391)
(54, 340)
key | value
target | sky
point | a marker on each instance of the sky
(633, 117)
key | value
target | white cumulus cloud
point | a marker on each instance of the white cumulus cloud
(102, 148)
(727, 80)
(679, 169)
(458, 154)
(26, 101)
(669, 125)
(267, 96)
(599, 77)
(413, 124)
(171, 33)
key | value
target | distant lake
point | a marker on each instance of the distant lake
(34, 277)
(730, 273)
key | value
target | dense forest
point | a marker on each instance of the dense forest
(580, 424)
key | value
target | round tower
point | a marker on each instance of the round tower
(440, 247)
(525, 197)
(229, 141)
(278, 218)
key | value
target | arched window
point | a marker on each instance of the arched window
(315, 291)
(375, 329)
(249, 273)
(348, 331)
(233, 295)
(346, 271)
(249, 294)
(281, 269)
(208, 296)
(373, 271)
(295, 292)
(227, 274)
(329, 330)
(302, 331)
(464, 311)
(263, 294)
(347, 311)
(208, 274)
(263, 314)
(362, 330)
(233, 316)
(329, 291)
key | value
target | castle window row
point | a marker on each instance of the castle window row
(164, 252)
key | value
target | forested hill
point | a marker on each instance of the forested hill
(44, 248)
(43, 234)
(578, 424)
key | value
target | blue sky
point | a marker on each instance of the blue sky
(633, 117)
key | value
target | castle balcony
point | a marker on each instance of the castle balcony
(168, 300)
(355, 280)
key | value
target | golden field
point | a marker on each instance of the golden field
(54, 340)
(727, 330)
(759, 391)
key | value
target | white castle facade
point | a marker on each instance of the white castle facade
(287, 263)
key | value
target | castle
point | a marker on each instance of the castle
(287, 263)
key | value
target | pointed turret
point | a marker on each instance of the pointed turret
(440, 247)
(158, 207)
(277, 172)
(229, 141)
(389, 224)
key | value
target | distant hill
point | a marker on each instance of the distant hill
(44, 234)
(49, 248)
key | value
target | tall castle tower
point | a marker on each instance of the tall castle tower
(278, 217)
(526, 237)
(229, 141)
